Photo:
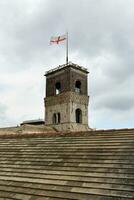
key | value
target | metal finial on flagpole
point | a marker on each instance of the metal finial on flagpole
(67, 49)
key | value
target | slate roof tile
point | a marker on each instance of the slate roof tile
(97, 165)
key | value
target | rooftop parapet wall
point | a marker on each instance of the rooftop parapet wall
(30, 131)
(61, 67)
(25, 130)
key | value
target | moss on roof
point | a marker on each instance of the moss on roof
(97, 165)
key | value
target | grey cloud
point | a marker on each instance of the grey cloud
(117, 103)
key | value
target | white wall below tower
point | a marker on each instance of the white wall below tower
(63, 109)
(84, 109)
(66, 104)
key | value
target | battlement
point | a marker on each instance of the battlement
(70, 64)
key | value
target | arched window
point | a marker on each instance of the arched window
(78, 86)
(57, 88)
(54, 118)
(78, 116)
(58, 118)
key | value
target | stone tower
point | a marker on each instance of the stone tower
(66, 102)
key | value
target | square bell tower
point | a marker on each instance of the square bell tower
(66, 102)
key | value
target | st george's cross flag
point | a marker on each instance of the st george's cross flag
(58, 40)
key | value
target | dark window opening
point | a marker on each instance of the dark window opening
(78, 115)
(57, 88)
(78, 86)
(58, 118)
(54, 118)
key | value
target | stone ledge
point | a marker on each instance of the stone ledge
(53, 133)
(66, 97)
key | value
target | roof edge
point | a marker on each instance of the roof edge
(70, 64)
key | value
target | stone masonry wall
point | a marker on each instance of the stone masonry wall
(67, 78)
(66, 104)
(66, 98)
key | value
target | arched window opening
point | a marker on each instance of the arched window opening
(57, 88)
(58, 118)
(78, 86)
(54, 118)
(78, 116)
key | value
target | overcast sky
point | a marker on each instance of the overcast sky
(101, 38)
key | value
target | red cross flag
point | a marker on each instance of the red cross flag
(58, 40)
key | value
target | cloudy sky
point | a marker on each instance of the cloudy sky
(101, 38)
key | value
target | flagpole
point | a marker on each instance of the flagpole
(67, 49)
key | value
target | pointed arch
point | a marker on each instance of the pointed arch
(78, 115)
(78, 86)
(54, 119)
(58, 118)
(57, 88)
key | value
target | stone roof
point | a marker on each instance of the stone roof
(97, 165)
(34, 121)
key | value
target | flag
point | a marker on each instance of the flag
(58, 40)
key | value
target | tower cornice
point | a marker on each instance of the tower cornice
(66, 97)
(65, 66)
